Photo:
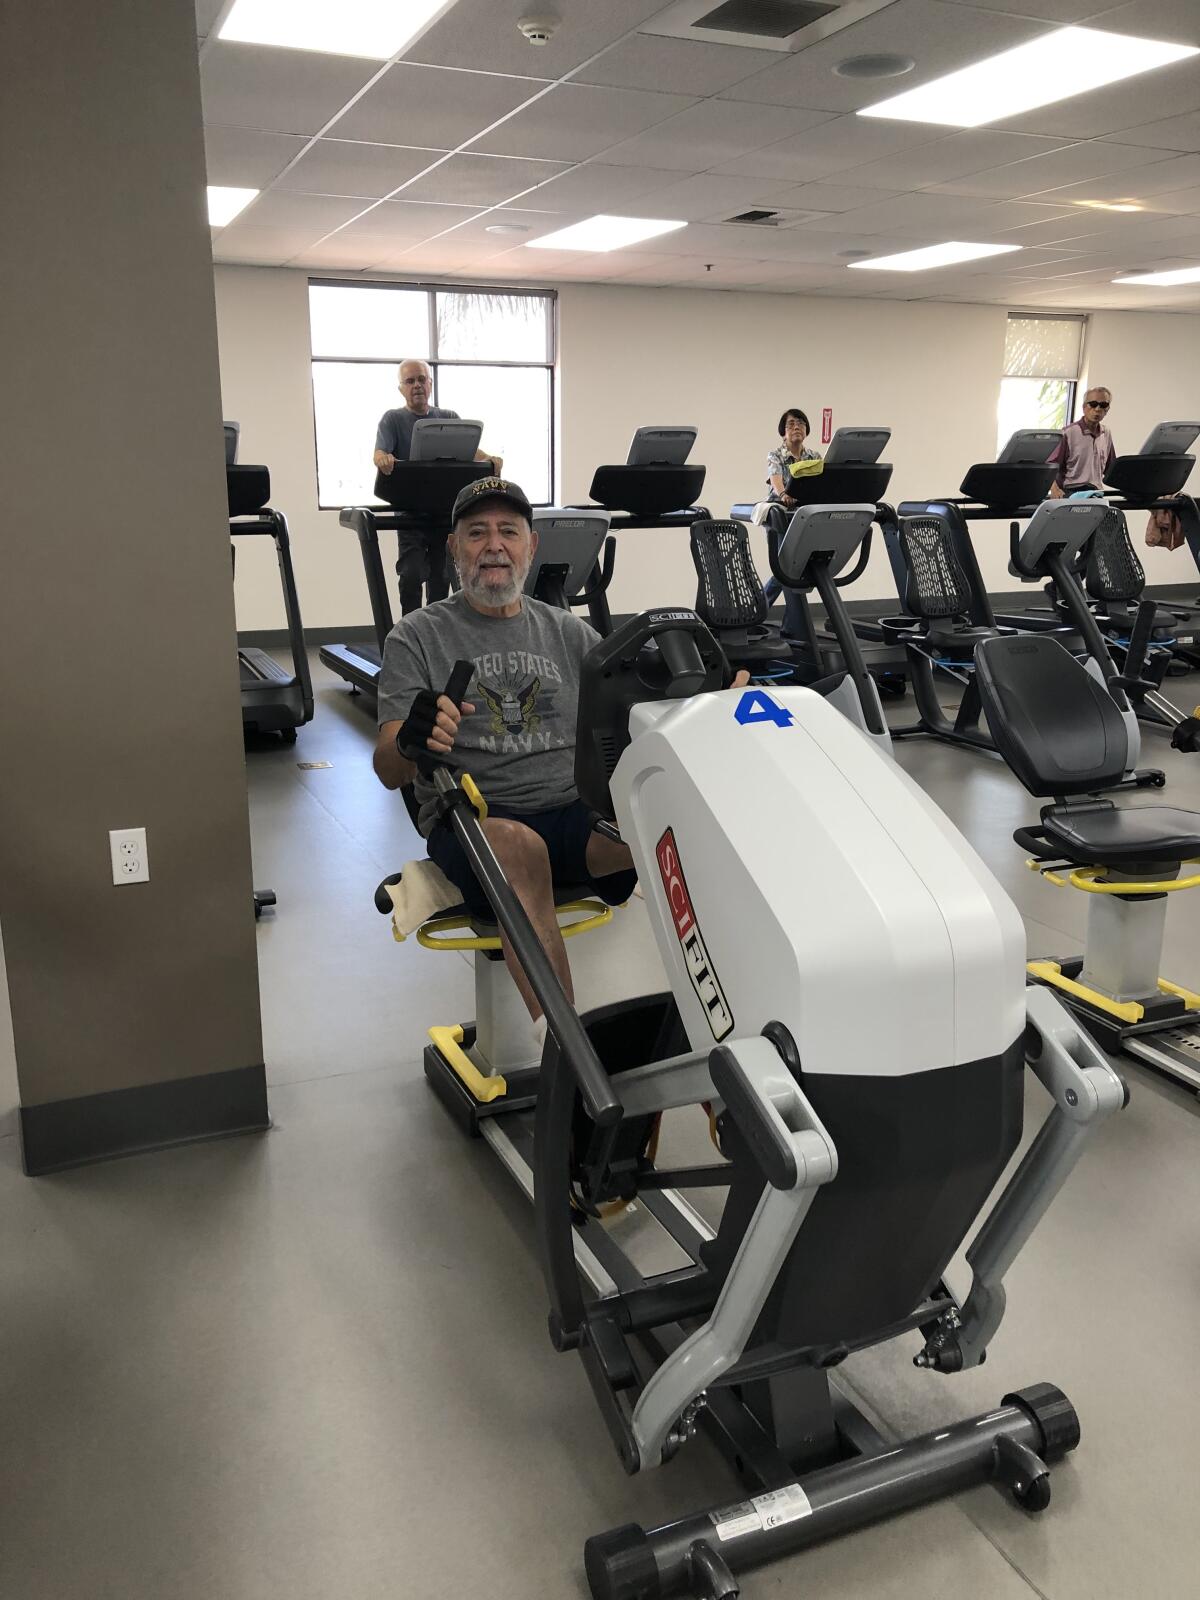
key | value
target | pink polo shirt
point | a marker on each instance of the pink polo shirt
(1083, 457)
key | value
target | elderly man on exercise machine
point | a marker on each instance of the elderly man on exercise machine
(514, 731)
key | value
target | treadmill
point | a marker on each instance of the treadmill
(655, 487)
(274, 699)
(851, 474)
(418, 493)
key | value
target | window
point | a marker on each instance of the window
(1041, 372)
(492, 354)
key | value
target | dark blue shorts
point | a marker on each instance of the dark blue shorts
(565, 830)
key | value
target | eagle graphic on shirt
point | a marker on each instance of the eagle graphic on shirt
(513, 708)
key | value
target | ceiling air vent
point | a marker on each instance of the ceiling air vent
(772, 19)
(760, 24)
(773, 219)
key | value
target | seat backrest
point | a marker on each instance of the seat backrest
(1113, 571)
(1052, 721)
(935, 585)
(729, 592)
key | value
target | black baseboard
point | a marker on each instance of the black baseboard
(125, 1122)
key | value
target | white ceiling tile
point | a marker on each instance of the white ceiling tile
(1152, 19)
(247, 159)
(536, 222)
(431, 107)
(278, 91)
(341, 166)
(595, 187)
(353, 248)
(484, 32)
(475, 180)
(834, 146)
(576, 121)
(1168, 92)
(684, 66)
(941, 37)
(822, 196)
(1053, 170)
(1150, 184)
(318, 212)
(1062, 11)
(938, 215)
(1179, 201)
(1172, 133)
(712, 132)
(970, 150)
(404, 220)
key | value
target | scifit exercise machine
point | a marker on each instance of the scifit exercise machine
(852, 1173)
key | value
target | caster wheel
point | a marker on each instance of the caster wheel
(1035, 1496)
(288, 735)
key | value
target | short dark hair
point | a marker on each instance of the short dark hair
(793, 411)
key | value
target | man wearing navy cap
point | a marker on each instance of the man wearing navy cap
(515, 731)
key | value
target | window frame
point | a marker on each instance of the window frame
(432, 288)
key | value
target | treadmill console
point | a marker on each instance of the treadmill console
(857, 447)
(1030, 447)
(1171, 439)
(660, 447)
(444, 439)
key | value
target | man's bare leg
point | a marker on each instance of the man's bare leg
(606, 856)
(522, 855)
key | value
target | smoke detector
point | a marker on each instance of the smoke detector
(538, 30)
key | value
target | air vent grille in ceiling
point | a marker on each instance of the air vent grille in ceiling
(773, 19)
(783, 25)
(773, 219)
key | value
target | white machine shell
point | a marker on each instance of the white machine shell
(783, 848)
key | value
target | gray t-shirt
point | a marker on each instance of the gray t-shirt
(519, 742)
(395, 430)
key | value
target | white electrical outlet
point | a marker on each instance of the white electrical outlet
(130, 861)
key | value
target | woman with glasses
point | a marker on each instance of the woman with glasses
(793, 431)
(1086, 450)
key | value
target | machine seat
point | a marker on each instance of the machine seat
(482, 926)
(729, 594)
(956, 638)
(1126, 837)
(935, 586)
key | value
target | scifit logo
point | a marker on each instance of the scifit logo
(695, 957)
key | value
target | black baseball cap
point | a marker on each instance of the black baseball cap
(490, 489)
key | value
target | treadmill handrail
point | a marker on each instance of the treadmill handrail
(366, 523)
(273, 523)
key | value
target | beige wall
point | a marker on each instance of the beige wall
(120, 703)
(727, 362)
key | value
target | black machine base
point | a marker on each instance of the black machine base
(1013, 1446)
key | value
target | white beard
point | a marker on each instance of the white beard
(482, 593)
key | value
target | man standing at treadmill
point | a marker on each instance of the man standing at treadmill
(1086, 450)
(422, 550)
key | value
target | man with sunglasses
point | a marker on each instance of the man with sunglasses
(1086, 450)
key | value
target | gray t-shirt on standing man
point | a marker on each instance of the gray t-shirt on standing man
(519, 742)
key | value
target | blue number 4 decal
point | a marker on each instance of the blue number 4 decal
(757, 706)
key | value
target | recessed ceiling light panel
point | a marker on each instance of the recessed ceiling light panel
(224, 204)
(1055, 66)
(934, 255)
(1111, 205)
(604, 233)
(1164, 280)
(376, 29)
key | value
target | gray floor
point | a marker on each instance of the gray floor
(315, 1364)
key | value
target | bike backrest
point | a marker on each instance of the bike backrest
(729, 591)
(1057, 727)
(935, 585)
